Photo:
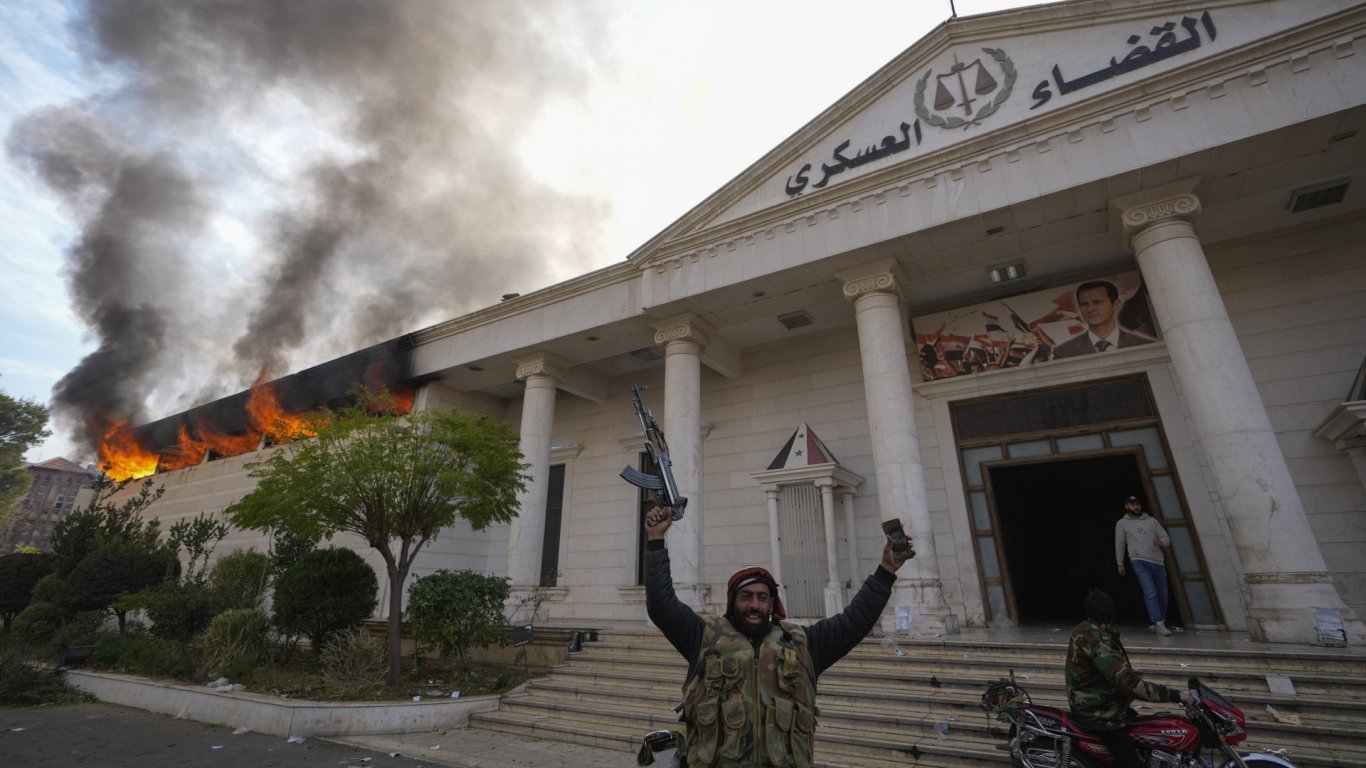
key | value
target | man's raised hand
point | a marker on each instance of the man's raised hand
(657, 522)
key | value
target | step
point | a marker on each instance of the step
(879, 708)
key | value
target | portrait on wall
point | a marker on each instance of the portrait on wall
(1088, 317)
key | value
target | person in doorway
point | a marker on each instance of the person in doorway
(750, 695)
(1143, 538)
(1101, 683)
(1099, 303)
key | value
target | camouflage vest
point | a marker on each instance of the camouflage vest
(748, 710)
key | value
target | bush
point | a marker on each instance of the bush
(234, 637)
(48, 589)
(325, 591)
(456, 611)
(36, 626)
(157, 657)
(353, 661)
(179, 610)
(19, 572)
(115, 570)
(238, 580)
(24, 685)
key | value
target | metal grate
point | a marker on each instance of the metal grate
(1310, 198)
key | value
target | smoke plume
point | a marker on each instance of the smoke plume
(383, 133)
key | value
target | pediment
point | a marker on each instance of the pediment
(978, 82)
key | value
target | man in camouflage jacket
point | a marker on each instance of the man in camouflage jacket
(1101, 684)
(749, 698)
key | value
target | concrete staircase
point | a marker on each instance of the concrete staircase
(921, 707)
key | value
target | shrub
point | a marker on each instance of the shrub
(233, 637)
(48, 589)
(157, 657)
(36, 626)
(19, 572)
(115, 570)
(238, 580)
(353, 661)
(456, 611)
(24, 685)
(325, 591)
(80, 628)
(179, 610)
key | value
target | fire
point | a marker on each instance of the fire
(124, 457)
(268, 418)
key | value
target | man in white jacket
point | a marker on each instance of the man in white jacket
(1144, 539)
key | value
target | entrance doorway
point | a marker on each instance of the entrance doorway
(1044, 473)
(1057, 525)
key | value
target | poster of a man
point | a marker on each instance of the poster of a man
(1099, 304)
(1102, 314)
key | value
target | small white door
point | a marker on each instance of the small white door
(801, 541)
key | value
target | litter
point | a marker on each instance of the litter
(417, 698)
(455, 694)
(16, 730)
(216, 746)
(295, 740)
(241, 731)
(437, 746)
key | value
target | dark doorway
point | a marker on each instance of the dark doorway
(1057, 526)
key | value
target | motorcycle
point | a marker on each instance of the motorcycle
(1047, 737)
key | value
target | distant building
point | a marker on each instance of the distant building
(56, 485)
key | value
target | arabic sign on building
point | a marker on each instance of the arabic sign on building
(968, 86)
(1093, 316)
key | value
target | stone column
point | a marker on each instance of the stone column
(683, 340)
(834, 598)
(851, 540)
(527, 535)
(775, 550)
(1283, 569)
(881, 323)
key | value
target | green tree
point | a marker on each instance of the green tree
(83, 531)
(393, 480)
(197, 536)
(19, 572)
(238, 580)
(326, 591)
(23, 423)
(107, 578)
(454, 612)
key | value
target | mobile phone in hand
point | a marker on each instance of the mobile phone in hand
(901, 543)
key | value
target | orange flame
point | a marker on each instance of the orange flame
(123, 456)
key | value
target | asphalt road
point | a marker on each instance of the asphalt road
(109, 736)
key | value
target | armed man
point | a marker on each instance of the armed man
(750, 695)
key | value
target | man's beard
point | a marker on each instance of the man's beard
(752, 631)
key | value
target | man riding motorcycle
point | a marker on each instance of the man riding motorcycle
(1101, 683)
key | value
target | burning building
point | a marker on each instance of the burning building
(1202, 174)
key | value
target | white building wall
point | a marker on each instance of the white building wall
(1298, 303)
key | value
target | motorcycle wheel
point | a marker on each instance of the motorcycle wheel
(1263, 760)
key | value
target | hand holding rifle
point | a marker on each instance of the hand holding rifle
(662, 483)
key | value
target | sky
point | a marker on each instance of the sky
(196, 194)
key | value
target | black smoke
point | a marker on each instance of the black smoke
(419, 209)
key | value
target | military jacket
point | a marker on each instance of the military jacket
(1100, 682)
(748, 704)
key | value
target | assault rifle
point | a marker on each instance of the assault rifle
(662, 483)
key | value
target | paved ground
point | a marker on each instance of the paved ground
(110, 736)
